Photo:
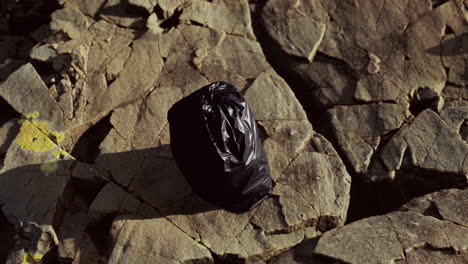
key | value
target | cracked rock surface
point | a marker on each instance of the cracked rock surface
(380, 83)
(428, 229)
(373, 91)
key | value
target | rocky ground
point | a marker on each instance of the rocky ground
(362, 104)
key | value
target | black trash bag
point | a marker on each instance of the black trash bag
(216, 143)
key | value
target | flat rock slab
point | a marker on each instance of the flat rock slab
(386, 239)
(154, 241)
(428, 229)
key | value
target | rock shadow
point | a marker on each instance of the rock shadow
(146, 183)
(452, 47)
(123, 11)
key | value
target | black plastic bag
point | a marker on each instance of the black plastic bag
(216, 143)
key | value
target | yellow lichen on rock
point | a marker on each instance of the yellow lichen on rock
(36, 136)
(59, 153)
(203, 243)
(31, 259)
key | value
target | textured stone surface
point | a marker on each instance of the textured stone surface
(33, 178)
(139, 241)
(431, 145)
(359, 128)
(416, 233)
(87, 172)
(447, 204)
(280, 222)
(298, 27)
(383, 239)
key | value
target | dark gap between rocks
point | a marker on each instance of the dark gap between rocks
(437, 3)
(262, 133)
(417, 105)
(43, 68)
(25, 16)
(99, 234)
(302, 89)
(230, 259)
(2, 159)
(378, 198)
(7, 241)
(433, 211)
(87, 190)
(464, 131)
(50, 257)
(172, 21)
(216, 259)
(7, 112)
(369, 199)
(448, 30)
(86, 148)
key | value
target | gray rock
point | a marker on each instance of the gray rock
(410, 236)
(25, 81)
(70, 20)
(153, 240)
(227, 16)
(293, 29)
(111, 200)
(358, 129)
(447, 205)
(43, 53)
(385, 239)
(431, 145)
(382, 60)
(87, 7)
(422, 256)
(455, 116)
(331, 83)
